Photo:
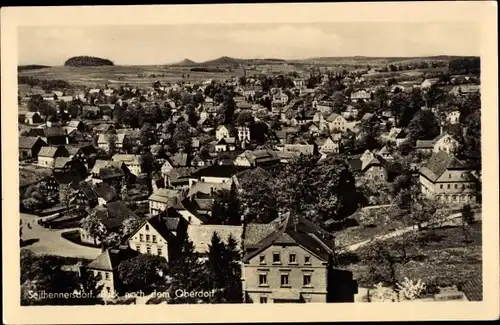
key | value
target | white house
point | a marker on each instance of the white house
(222, 132)
(131, 161)
(453, 117)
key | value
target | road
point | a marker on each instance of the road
(450, 220)
(50, 241)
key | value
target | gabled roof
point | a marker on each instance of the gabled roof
(113, 214)
(164, 195)
(131, 159)
(295, 230)
(207, 188)
(100, 163)
(332, 117)
(105, 191)
(110, 172)
(60, 162)
(48, 152)
(439, 163)
(424, 144)
(201, 235)
(29, 142)
(111, 258)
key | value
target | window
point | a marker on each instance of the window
(449, 175)
(284, 280)
(307, 260)
(138, 248)
(262, 259)
(448, 186)
(107, 275)
(147, 238)
(456, 185)
(306, 280)
(263, 300)
(148, 250)
(154, 238)
(276, 258)
(108, 289)
(141, 237)
(262, 279)
(160, 252)
(293, 258)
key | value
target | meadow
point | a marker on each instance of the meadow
(120, 75)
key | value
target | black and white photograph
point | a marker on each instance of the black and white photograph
(249, 162)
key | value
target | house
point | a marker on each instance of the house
(225, 144)
(215, 174)
(104, 128)
(221, 132)
(48, 155)
(299, 82)
(161, 199)
(111, 216)
(448, 180)
(33, 118)
(105, 268)
(335, 122)
(401, 136)
(289, 260)
(206, 190)
(329, 146)
(75, 125)
(105, 193)
(360, 95)
(111, 175)
(131, 161)
(201, 236)
(466, 89)
(120, 141)
(373, 167)
(53, 136)
(453, 117)
(197, 161)
(303, 149)
(180, 159)
(281, 98)
(81, 152)
(243, 133)
(29, 147)
(427, 83)
(385, 153)
(155, 234)
(444, 142)
(85, 196)
(255, 158)
(100, 164)
(91, 111)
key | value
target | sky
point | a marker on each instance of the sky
(164, 44)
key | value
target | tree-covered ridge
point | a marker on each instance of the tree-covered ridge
(87, 61)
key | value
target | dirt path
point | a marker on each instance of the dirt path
(450, 220)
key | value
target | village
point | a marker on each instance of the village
(283, 183)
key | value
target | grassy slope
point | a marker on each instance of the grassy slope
(446, 261)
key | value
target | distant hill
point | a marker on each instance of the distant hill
(360, 60)
(31, 67)
(185, 63)
(228, 61)
(87, 61)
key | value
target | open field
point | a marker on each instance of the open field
(119, 75)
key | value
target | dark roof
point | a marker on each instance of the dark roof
(355, 164)
(67, 178)
(113, 214)
(54, 131)
(105, 191)
(60, 162)
(111, 258)
(218, 171)
(439, 163)
(106, 172)
(473, 289)
(87, 190)
(295, 230)
(28, 142)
